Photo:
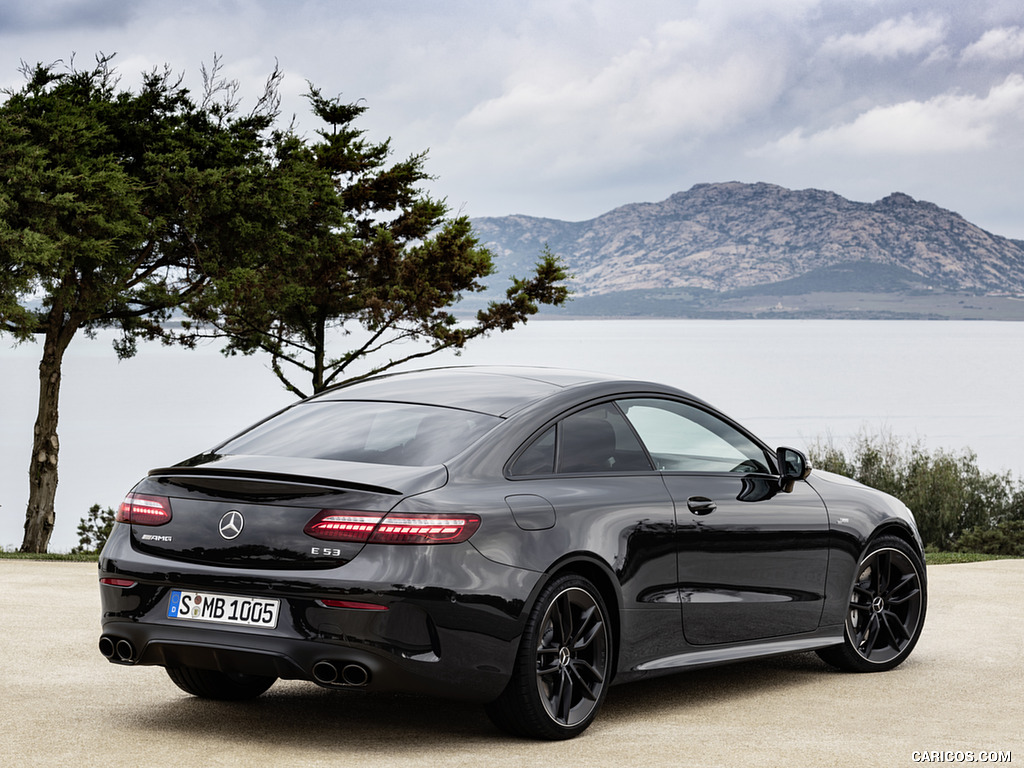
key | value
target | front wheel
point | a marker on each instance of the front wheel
(224, 686)
(563, 667)
(886, 609)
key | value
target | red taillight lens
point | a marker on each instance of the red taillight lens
(140, 509)
(425, 529)
(344, 525)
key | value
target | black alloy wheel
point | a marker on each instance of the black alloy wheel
(564, 664)
(886, 611)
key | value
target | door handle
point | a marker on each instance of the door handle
(700, 505)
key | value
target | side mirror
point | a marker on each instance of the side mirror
(793, 466)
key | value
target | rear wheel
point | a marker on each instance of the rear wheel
(224, 686)
(886, 610)
(563, 667)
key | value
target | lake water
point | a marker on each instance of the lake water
(951, 385)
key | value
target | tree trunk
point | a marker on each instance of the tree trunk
(42, 471)
(319, 354)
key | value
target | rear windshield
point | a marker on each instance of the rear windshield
(372, 432)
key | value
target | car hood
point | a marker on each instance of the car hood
(832, 477)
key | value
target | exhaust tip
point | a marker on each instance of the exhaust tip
(125, 651)
(325, 672)
(349, 675)
(107, 647)
(355, 675)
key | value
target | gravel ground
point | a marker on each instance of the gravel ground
(961, 691)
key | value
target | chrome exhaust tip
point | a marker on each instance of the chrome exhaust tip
(325, 672)
(349, 675)
(107, 647)
(125, 651)
(355, 675)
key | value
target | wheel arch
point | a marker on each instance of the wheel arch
(908, 611)
(899, 530)
(600, 575)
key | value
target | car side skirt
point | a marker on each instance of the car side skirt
(708, 657)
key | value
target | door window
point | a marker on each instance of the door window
(682, 438)
(594, 440)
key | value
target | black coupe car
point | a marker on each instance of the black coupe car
(517, 536)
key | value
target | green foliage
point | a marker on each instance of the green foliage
(1006, 538)
(115, 208)
(116, 204)
(120, 207)
(954, 558)
(94, 529)
(80, 557)
(358, 244)
(947, 492)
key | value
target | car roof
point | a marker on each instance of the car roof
(496, 390)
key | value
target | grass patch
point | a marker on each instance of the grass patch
(951, 558)
(65, 557)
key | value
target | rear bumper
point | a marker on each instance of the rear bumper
(455, 636)
(330, 664)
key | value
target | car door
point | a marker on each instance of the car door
(752, 559)
(589, 484)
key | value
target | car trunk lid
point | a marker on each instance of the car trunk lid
(251, 511)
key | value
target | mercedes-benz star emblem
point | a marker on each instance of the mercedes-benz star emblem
(231, 524)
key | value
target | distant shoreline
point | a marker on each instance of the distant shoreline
(808, 306)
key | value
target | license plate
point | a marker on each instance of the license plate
(223, 609)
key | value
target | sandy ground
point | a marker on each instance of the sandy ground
(962, 690)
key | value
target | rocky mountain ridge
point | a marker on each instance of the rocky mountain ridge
(720, 241)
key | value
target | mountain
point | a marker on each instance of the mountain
(735, 249)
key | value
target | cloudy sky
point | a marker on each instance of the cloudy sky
(569, 108)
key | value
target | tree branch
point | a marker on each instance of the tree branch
(276, 367)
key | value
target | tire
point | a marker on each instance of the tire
(223, 686)
(563, 666)
(888, 601)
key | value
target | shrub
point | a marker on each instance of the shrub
(947, 492)
(94, 529)
(1007, 538)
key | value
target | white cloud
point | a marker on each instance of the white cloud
(677, 85)
(1002, 44)
(953, 122)
(569, 107)
(889, 39)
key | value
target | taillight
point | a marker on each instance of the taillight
(140, 509)
(365, 527)
(340, 525)
(425, 529)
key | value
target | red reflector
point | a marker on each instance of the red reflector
(354, 604)
(125, 583)
(139, 509)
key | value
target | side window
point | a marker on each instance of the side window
(597, 439)
(538, 458)
(682, 438)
